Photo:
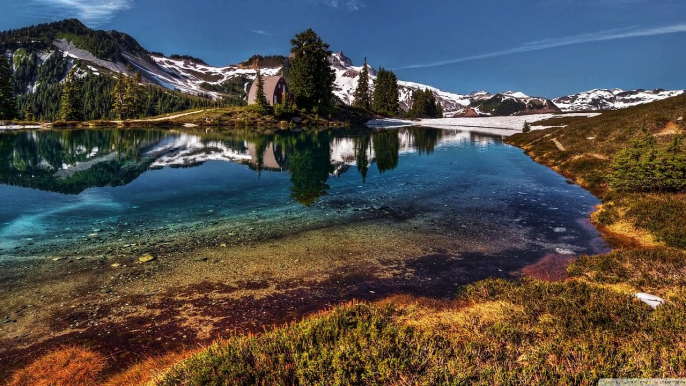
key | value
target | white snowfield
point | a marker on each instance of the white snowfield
(505, 126)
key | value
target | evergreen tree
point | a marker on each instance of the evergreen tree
(8, 105)
(311, 76)
(260, 97)
(118, 104)
(133, 95)
(71, 108)
(386, 95)
(362, 99)
(425, 105)
(526, 128)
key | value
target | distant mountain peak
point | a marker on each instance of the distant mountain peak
(612, 99)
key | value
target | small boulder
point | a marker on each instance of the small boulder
(649, 299)
(146, 258)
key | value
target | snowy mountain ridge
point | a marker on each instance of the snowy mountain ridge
(612, 99)
(197, 78)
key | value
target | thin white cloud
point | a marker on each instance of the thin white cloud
(559, 42)
(260, 32)
(350, 5)
(91, 12)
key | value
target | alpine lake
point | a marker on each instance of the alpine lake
(144, 240)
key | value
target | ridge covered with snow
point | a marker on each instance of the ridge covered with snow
(197, 78)
(612, 99)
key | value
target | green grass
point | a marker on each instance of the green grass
(664, 215)
(570, 332)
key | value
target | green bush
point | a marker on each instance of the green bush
(526, 128)
(255, 108)
(663, 215)
(646, 166)
(284, 110)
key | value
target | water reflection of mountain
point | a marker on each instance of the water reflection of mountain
(72, 161)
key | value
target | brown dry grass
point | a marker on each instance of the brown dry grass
(671, 128)
(147, 371)
(68, 366)
(448, 316)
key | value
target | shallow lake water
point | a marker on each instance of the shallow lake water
(72, 190)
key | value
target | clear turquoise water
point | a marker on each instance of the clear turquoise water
(82, 188)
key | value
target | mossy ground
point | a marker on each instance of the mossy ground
(497, 332)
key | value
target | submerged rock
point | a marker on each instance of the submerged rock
(146, 258)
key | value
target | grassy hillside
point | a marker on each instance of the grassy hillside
(494, 332)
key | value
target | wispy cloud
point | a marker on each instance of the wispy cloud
(563, 41)
(260, 32)
(91, 12)
(350, 5)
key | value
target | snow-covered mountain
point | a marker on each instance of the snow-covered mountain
(109, 52)
(612, 99)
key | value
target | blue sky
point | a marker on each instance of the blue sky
(541, 47)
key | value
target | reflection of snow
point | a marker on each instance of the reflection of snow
(190, 149)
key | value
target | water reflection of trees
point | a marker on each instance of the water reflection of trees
(386, 149)
(424, 140)
(310, 167)
(113, 157)
(36, 159)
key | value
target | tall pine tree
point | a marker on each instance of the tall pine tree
(71, 108)
(311, 76)
(133, 94)
(118, 92)
(8, 105)
(386, 94)
(362, 96)
(260, 97)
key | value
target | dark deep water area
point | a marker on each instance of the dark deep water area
(255, 229)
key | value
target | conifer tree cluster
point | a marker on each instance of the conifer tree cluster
(362, 96)
(311, 77)
(71, 108)
(648, 166)
(8, 109)
(386, 95)
(424, 105)
(129, 95)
